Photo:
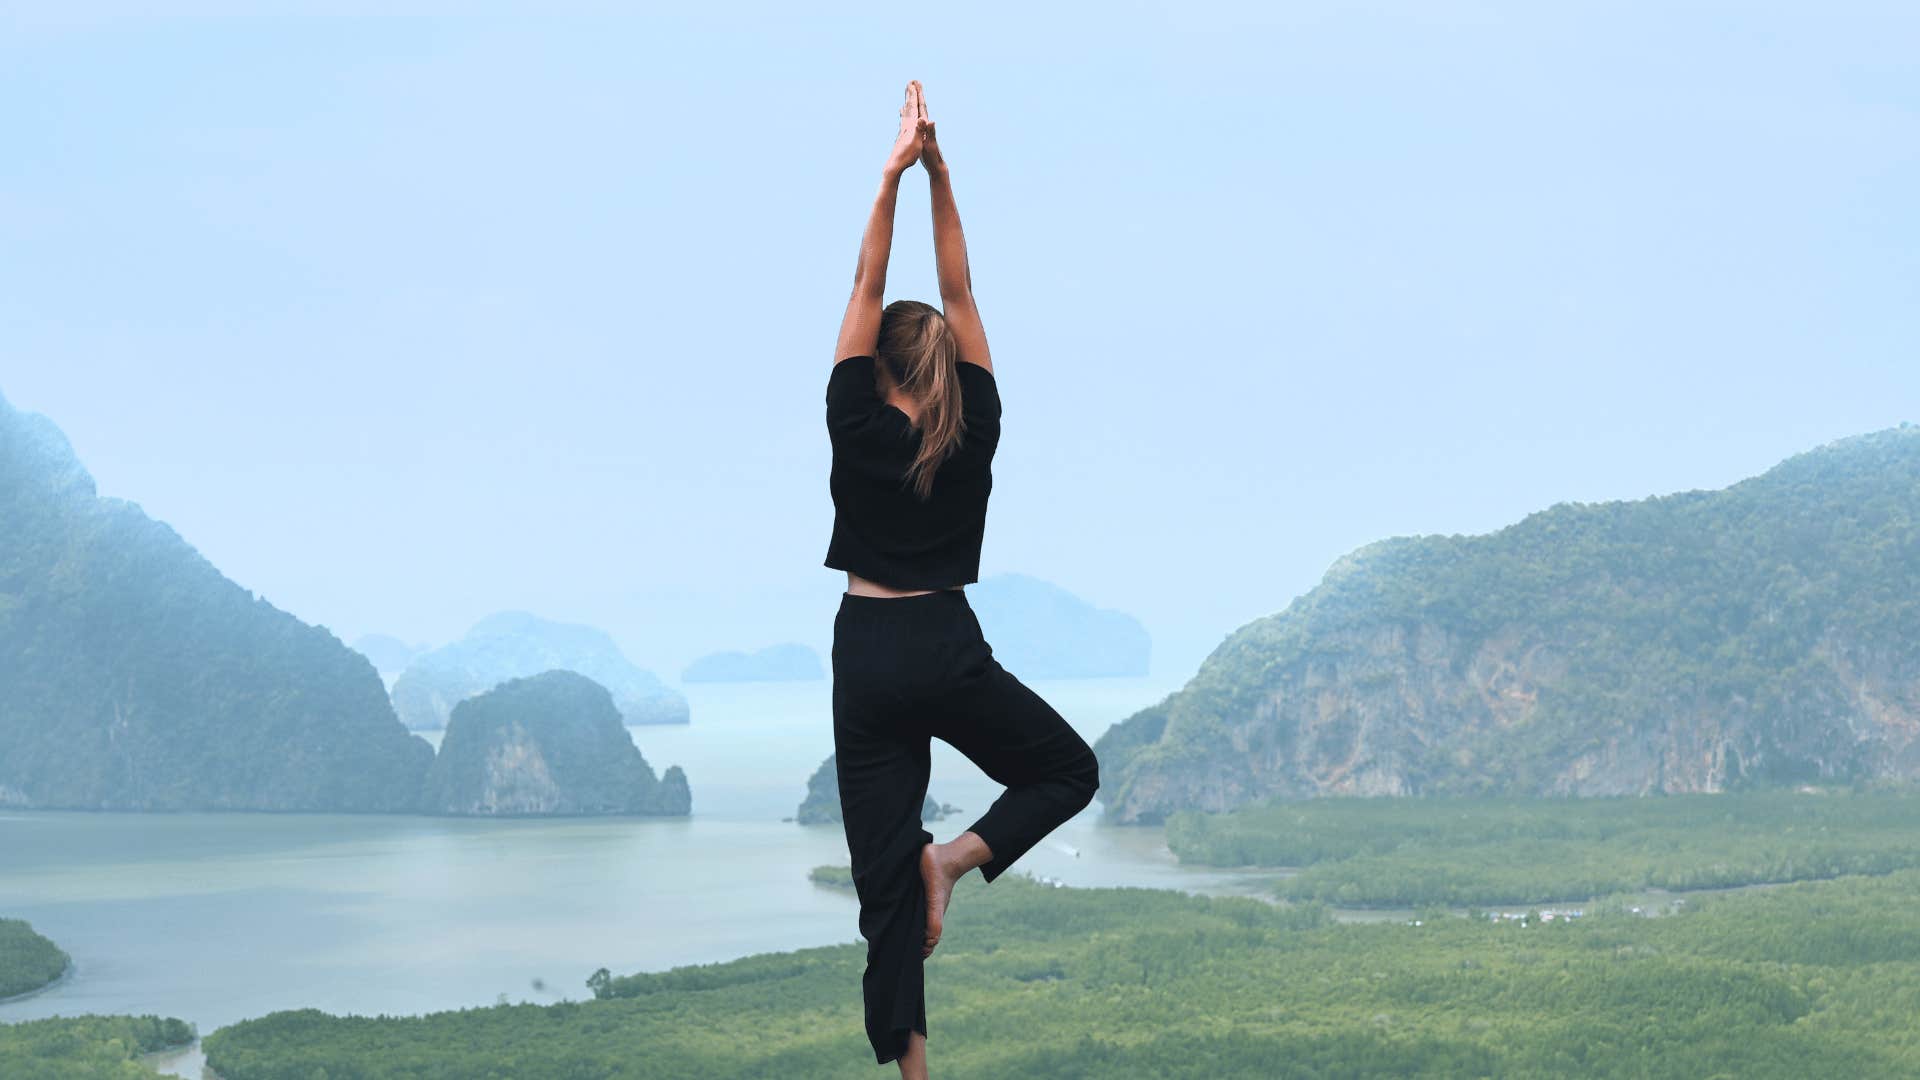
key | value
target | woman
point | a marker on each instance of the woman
(913, 411)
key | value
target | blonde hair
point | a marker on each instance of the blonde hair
(917, 352)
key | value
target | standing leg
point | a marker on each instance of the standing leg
(882, 765)
(1019, 740)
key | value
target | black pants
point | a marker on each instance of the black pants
(907, 669)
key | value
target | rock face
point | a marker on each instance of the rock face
(513, 645)
(775, 663)
(551, 743)
(134, 676)
(1041, 631)
(1768, 633)
(822, 804)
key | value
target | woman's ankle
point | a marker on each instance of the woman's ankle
(966, 852)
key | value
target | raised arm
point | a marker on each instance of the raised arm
(950, 253)
(860, 328)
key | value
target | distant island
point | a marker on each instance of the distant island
(822, 804)
(389, 654)
(1041, 631)
(515, 644)
(775, 663)
(551, 743)
(1765, 634)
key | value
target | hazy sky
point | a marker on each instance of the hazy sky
(405, 321)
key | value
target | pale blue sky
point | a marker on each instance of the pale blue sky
(402, 322)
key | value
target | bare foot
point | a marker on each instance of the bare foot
(939, 878)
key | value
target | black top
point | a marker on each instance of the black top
(881, 529)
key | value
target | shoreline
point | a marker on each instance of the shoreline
(65, 974)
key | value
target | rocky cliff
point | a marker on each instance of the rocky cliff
(1767, 633)
(552, 743)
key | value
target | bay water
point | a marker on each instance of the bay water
(215, 917)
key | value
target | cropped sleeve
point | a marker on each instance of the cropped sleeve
(979, 393)
(852, 400)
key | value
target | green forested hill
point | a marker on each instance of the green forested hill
(1767, 633)
(134, 676)
(1816, 979)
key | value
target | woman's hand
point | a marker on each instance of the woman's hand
(930, 158)
(906, 146)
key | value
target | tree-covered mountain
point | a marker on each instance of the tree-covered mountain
(134, 676)
(513, 645)
(1041, 631)
(1762, 634)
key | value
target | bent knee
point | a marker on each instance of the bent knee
(1086, 777)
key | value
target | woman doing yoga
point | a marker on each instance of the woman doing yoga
(913, 412)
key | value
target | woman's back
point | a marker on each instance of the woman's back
(882, 529)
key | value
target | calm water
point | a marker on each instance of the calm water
(217, 917)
